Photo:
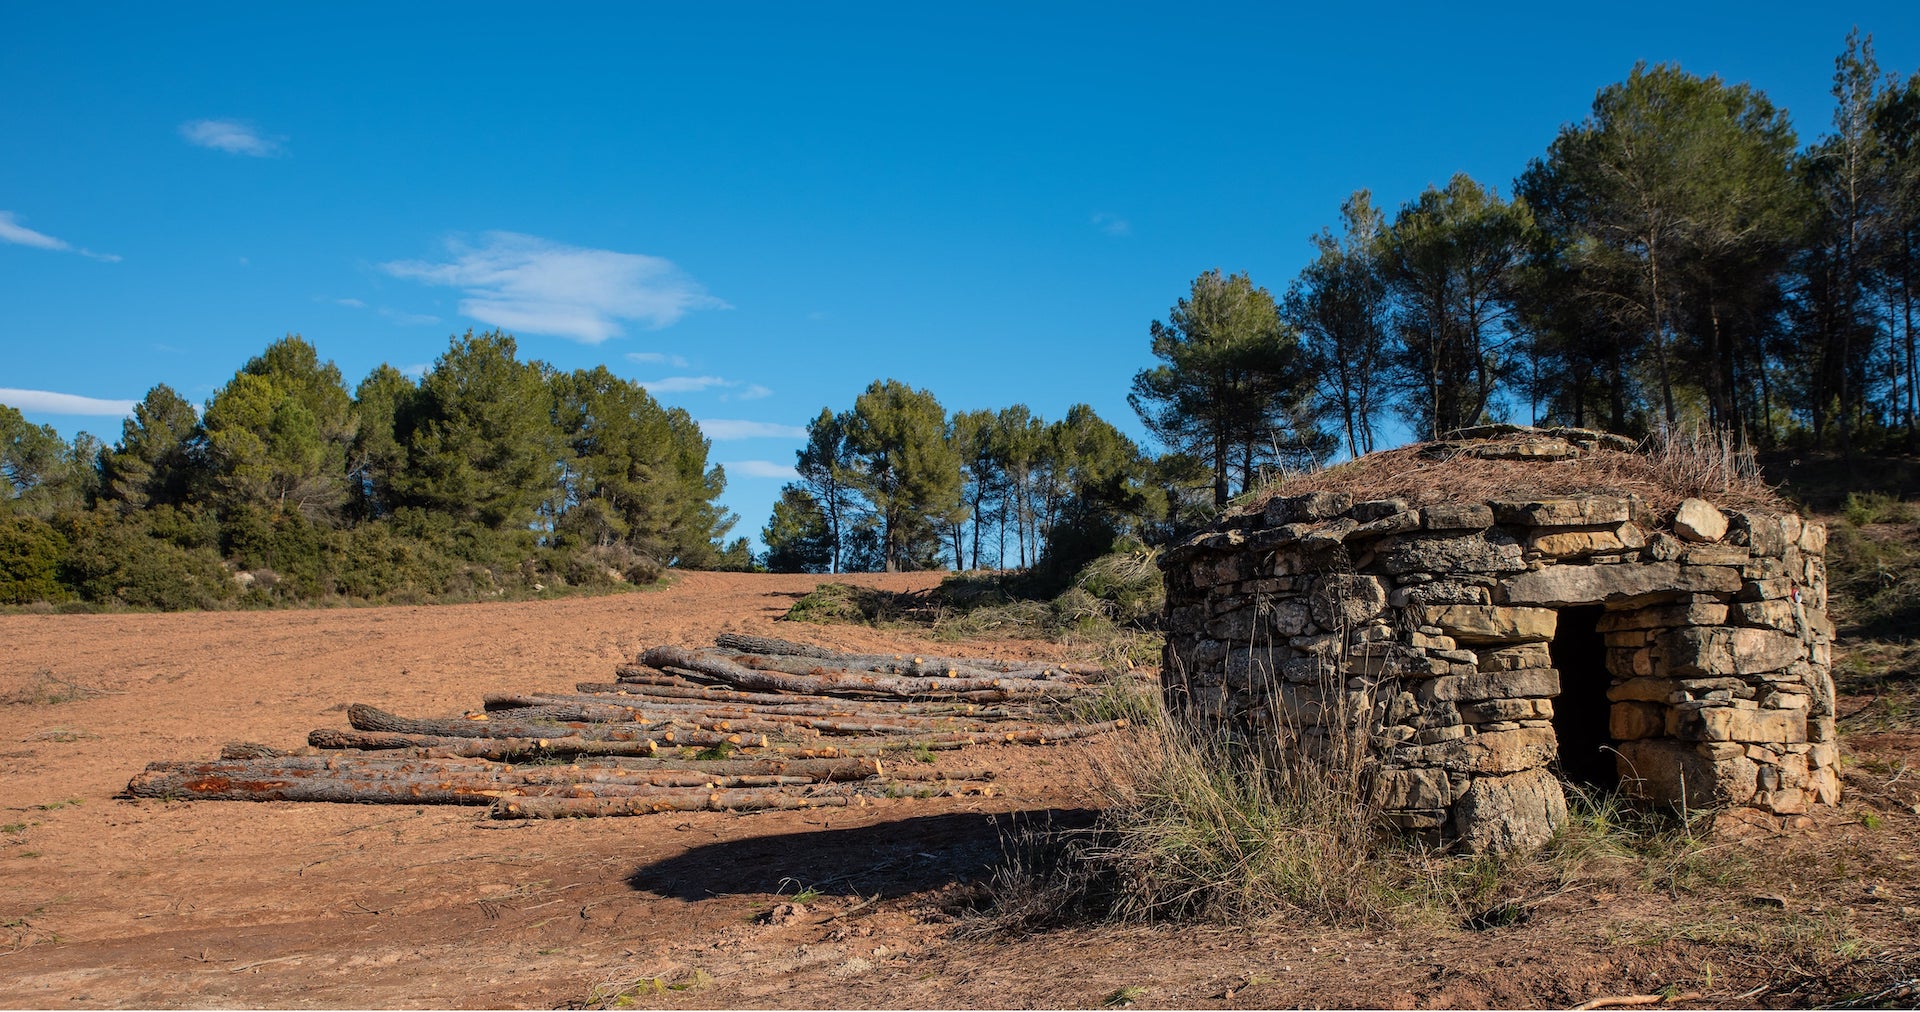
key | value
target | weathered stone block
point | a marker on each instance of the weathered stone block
(1377, 509)
(1342, 601)
(1573, 511)
(1460, 516)
(1813, 538)
(1491, 685)
(1725, 723)
(1284, 617)
(1510, 814)
(1288, 509)
(1255, 668)
(1492, 552)
(1674, 772)
(1727, 650)
(1509, 658)
(1439, 592)
(1697, 610)
(1777, 614)
(1566, 544)
(1564, 585)
(1412, 789)
(1471, 623)
(1699, 521)
(1495, 752)
(1406, 520)
(1628, 721)
(1645, 690)
(1715, 555)
(1493, 710)
(1770, 589)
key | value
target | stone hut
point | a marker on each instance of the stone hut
(1489, 618)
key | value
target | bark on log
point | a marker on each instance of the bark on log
(778, 703)
(721, 695)
(852, 683)
(716, 801)
(508, 749)
(769, 645)
(368, 718)
(267, 780)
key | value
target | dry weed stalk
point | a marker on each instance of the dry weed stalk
(1674, 465)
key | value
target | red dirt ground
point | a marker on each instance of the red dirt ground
(112, 903)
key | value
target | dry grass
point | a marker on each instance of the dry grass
(1670, 467)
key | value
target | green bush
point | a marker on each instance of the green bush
(30, 554)
(1864, 508)
(117, 561)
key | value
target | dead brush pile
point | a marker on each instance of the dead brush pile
(1516, 462)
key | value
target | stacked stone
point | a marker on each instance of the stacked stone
(1420, 636)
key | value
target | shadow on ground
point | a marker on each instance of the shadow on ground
(891, 859)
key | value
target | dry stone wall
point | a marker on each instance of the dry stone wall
(1426, 640)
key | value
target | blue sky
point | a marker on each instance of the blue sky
(757, 209)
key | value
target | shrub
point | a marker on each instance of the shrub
(30, 554)
(1130, 582)
(116, 561)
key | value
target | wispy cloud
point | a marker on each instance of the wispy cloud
(232, 136)
(49, 402)
(1111, 224)
(532, 285)
(735, 428)
(398, 316)
(11, 231)
(732, 390)
(406, 319)
(684, 384)
(760, 469)
(414, 371)
(656, 358)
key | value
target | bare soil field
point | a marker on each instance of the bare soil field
(112, 903)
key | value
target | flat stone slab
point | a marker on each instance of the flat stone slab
(1566, 585)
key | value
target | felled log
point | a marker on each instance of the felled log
(719, 694)
(640, 674)
(368, 718)
(769, 720)
(417, 783)
(865, 747)
(722, 721)
(690, 801)
(769, 645)
(780, 703)
(427, 746)
(851, 683)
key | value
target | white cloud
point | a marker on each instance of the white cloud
(401, 317)
(734, 428)
(528, 284)
(415, 371)
(231, 136)
(406, 319)
(656, 358)
(1111, 224)
(760, 469)
(685, 384)
(11, 231)
(49, 402)
(735, 390)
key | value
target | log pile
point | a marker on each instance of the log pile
(751, 724)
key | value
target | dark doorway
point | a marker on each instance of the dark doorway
(1581, 713)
